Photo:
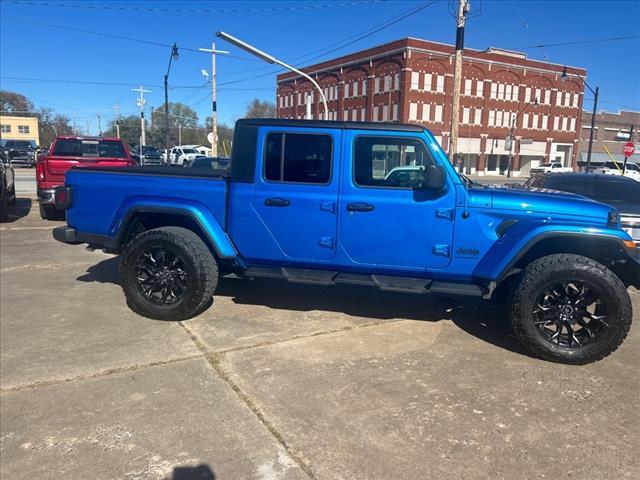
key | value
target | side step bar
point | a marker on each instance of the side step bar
(383, 282)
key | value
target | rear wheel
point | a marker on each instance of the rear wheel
(570, 309)
(168, 273)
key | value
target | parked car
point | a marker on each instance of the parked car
(19, 152)
(617, 191)
(7, 187)
(555, 167)
(616, 168)
(147, 155)
(304, 202)
(181, 155)
(67, 152)
(211, 163)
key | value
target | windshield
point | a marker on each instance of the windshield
(149, 150)
(73, 147)
(188, 150)
(546, 165)
(18, 144)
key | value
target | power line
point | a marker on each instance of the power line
(132, 8)
(350, 41)
(118, 37)
(580, 42)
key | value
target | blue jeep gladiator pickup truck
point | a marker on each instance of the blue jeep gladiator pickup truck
(323, 202)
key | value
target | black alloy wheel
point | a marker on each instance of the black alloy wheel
(161, 276)
(571, 314)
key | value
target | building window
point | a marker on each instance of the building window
(385, 113)
(440, 83)
(415, 79)
(465, 115)
(396, 79)
(479, 88)
(558, 99)
(535, 121)
(525, 120)
(5, 128)
(556, 121)
(396, 110)
(354, 115)
(492, 118)
(428, 82)
(298, 158)
(376, 85)
(547, 97)
(376, 110)
(499, 115)
(363, 114)
(23, 128)
(527, 94)
(438, 113)
(467, 86)
(573, 125)
(413, 111)
(378, 161)
(545, 122)
(426, 113)
(575, 100)
(478, 116)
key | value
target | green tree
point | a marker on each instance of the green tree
(179, 114)
(260, 109)
(51, 125)
(129, 129)
(15, 104)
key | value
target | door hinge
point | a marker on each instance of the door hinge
(445, 213)
(442, 250)
(326, 242)
(328, 207)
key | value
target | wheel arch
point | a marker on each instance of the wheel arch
(143, 218)
(609, 250)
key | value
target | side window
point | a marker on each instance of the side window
(297, 158)
(389, 161)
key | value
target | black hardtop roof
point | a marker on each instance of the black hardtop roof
(593, 176)
(281, 122)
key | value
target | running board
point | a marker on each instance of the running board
(383, 282)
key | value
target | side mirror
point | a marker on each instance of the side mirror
(432, 178)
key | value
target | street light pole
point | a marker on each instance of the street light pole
(595, 92)
(174, 54)
(214, 115)
(512, 134)
(270, 59)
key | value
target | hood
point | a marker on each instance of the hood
(547, 203)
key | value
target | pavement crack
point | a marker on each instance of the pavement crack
(215, 361)
(100, 373)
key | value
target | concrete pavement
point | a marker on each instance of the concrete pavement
(279, 381)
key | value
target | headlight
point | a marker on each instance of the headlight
(613, 218)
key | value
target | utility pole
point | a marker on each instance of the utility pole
(141, 101)
(214, 114)
(463, 10)
(99, 125)
(116, 109)
(87, 127)
(179, 133)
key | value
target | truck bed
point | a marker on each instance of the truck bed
(103, 195)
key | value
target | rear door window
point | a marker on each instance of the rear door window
(298, 158)
(616, 192)
(580, 187)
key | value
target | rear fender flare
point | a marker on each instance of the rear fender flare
(197, 212)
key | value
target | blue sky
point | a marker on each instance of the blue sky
(30, 48)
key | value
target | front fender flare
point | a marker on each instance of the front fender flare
(523, 236)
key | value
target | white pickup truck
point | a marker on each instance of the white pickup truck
(615, 168)
(553, 167)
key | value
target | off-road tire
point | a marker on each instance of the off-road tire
(50, 212)
(544, 271)
(4, 207)
(200, 265)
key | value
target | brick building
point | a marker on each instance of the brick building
(411, 81)
(611, 133)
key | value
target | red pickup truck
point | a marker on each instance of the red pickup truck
(68, 152)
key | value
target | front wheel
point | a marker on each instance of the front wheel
(168, 273)
(570, 309)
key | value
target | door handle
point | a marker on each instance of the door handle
(277, 202)
(360, 207)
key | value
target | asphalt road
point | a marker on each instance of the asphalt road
(279, 381)
(25, 181)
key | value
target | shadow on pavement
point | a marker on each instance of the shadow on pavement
(199, 472)
(485, 320)
(21, 209)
